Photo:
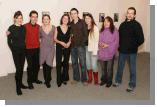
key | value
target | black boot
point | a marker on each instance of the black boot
(109, 84)
(48, 85)
(18, 87)
(103, 80)
(18, 91)
(65, 83)
(102, 83)
(37, 81)
(59, 83)
(24, 86)
(30, 86)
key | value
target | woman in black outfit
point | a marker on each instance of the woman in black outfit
(16, 42)
(63, 41)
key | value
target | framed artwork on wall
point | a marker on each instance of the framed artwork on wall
(45, 12)
(116, 17)
(84, 14)
(101, 17)
(67, 13)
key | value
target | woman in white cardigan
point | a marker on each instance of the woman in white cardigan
(91, 49)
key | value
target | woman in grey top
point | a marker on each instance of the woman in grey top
(47, 49)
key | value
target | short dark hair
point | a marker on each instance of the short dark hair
(61, 21)
(17, 14)
(74, 9)
(132, 8)
(33, 12)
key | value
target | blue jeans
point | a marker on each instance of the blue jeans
(91, 61)
(79, 53)
(132, 68)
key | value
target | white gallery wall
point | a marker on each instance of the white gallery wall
(57, 8)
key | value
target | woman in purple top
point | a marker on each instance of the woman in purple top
(108, 45)
(47, 48)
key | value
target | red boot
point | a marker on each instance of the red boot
(96, 82)
(89, 76)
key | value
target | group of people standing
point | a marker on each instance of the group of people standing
(79, 38)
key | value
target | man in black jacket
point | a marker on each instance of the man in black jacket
(131, 37)
(78, 51)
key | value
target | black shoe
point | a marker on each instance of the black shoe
(130, 90)
(65, 83)
(24, 87)
(59, 85)
(30, 86)
(116, 85)
(108, 85)
(38, 82)
(18, 91)
(102, 83)
(48, 85)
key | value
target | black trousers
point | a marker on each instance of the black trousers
(62, 66)
(47, 73)
(107, 70)
(19, 60)
(32, 56)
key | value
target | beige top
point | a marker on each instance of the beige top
(93, 40)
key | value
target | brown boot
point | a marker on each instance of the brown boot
(96, 82)
(89, 76)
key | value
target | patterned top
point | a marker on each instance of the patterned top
(47, 48)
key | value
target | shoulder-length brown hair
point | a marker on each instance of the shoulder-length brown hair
(112, 27)
(61, 20)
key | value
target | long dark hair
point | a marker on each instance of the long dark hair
(112, 27)
(92, 22)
